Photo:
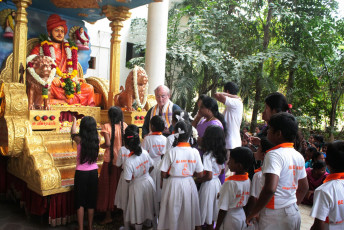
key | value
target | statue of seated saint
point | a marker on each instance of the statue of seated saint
(66, 87)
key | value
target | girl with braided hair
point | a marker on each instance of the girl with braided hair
(141, 203)
(110, 173)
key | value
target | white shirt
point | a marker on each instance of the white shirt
(234, 193)
(209, 164)
(137, 166)
(122, 156)
(233, 116)
(256, 186)
(169, 142)
(155, 146)
(182, 162)
(289, 165)
(329, 203)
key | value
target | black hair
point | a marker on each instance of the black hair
(231, 87)
(115, 116)
(319, 138)
(132, 141)
(277, 101)
(265, 144)
(286, 123)
(179, 112)
(158, 123)
(335, 156)
(315, 156)
(319, 165)
(243, 156)
(211, 104)
(132, 128)
(214, 141)
(183, 126)
(89, 140)
(312, 149)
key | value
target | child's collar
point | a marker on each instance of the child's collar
(241, 177)
(282, 145)
(334, 176)
(156, 133)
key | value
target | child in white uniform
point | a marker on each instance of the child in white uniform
(178, 115)
(328, 203)
(235, 191)
(121, 198)
(256, 185)
(155, 145)
(179, 201)
(214, 158)
(284, 178)
(141, 203)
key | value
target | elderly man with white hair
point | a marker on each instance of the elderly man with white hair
(163, 108)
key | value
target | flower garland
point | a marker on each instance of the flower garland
(137, 98)
(45, 84)
(69, 85)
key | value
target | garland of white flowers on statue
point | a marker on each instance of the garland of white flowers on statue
(137, 98)
(45, 84)
(69, 85)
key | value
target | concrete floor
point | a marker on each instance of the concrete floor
(12, 217)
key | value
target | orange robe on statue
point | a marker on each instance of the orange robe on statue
(86, 97)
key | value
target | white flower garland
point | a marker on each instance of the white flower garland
(137, 98)
(36, 76)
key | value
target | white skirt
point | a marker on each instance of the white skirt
(141, 203)
(156, 176)
(234, 219)
(208, 200)
(121, 198)
(179, 204)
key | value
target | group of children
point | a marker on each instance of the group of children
(158, 180)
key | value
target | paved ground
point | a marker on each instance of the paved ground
(12, 217)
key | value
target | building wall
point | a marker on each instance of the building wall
(100, 35)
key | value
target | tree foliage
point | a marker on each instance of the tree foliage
(295, 47)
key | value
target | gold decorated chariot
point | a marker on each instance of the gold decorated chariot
(37, 145)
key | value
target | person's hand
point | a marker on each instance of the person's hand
(309, 193)
(74, 119)
(250, 218)
(255, 140)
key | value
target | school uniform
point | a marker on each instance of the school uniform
(282, 211)
(233, 197)
(169, 142)
(328, 204)
(209, 190)
(121, 198)
(179, 201)
(141, 201)
(155, 144)
(256, 188)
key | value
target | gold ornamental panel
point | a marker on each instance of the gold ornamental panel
(16, 100)
(50, 178)
(15, 129)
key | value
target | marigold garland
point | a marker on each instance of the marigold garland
(69, 85)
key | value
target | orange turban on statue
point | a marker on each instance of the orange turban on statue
(54, 21)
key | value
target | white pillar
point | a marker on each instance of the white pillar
(156, 43)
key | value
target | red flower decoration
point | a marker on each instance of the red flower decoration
(290, 106)
(45, 117)
(137, 117)
(52, 117)
(46, 86)
(30, 64)
(142, 117)
(53, 66)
